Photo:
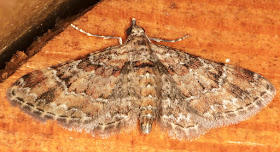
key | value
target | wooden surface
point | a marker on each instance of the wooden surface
(20, 22)
(246, 32)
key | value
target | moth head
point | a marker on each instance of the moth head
(135, 30)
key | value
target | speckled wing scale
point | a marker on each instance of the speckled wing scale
(199, 94)
(113, 88)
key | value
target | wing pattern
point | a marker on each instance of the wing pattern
(199, 94)
(71, 94)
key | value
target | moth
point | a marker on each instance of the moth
(139, 82)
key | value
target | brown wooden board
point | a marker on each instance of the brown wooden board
(246, 32)
(23, 23)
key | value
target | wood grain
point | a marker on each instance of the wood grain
(246, 32)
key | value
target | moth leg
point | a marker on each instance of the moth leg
(99, 36)
(172, 41)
